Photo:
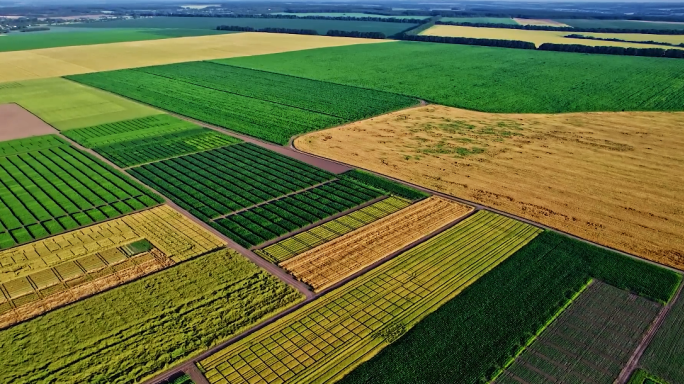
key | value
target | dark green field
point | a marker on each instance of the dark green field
(322, 26)
(474, 334)
(25, 41)
(664, 357)
(492, 79)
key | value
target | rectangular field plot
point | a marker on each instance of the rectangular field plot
(220, 181)
(269, 106)
(327, 338)
(58, 188)
(138, 141)
(589, 342)
(664, 356)
(323, 233)
(126, 330)
(330, 263)
(269, 221)
(169, 231)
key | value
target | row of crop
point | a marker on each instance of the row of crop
(220, 181)
(164, 146)
(314, 237)
(279, 217)
(514, 301)
(384, 184)
(357, 320)
(346, 102)
(38, 186)
(13, 147)
(258, 118)
(127, 130)
(12, 234)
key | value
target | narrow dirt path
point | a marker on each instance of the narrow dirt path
(646, 340)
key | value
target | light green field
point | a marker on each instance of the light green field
(68, 105)
(351, 14)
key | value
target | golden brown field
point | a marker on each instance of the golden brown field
(613, 178)
(338, 259)
(540, 37)
(54, 62)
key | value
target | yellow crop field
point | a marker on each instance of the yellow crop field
(540, 37)
(332, 262)
(40, 276)
(329, 337)
(323, 233)
(54, 62)
(612, 178)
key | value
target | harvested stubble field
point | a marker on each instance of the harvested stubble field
(548, 22)
(589, 342)
(329, 337)
(54, 62)
(65, 104)
(133, 331)
(48, 187)
(304, 241)
(664, 356)
(265, 105)
(328, 264)
(540, 37)
(514, 301)
(612, 178)
(148, 139)
(93, 259)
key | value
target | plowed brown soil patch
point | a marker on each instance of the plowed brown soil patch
(17, 123)
(332, 262)
(613, 178)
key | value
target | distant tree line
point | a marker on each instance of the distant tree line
(469, 41)
(365, 35)
(576, 36)
(566, 29)
(34, 29)
(267, 30)
(622, 51)
(269, 16)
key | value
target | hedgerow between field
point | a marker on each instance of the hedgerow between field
(474, 334)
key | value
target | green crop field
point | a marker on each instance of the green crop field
(135, 330)
(664, 357)
(25, 41)
(513, 302)
(220, 181)
(491, 79)
(269, 221)
(138, 141)
(327, 338)
(321, 26)
(265, 105)
(574, 337)
(492, 20)
(304, 241)
(627, 24)
(50, 187)
(66, 105)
